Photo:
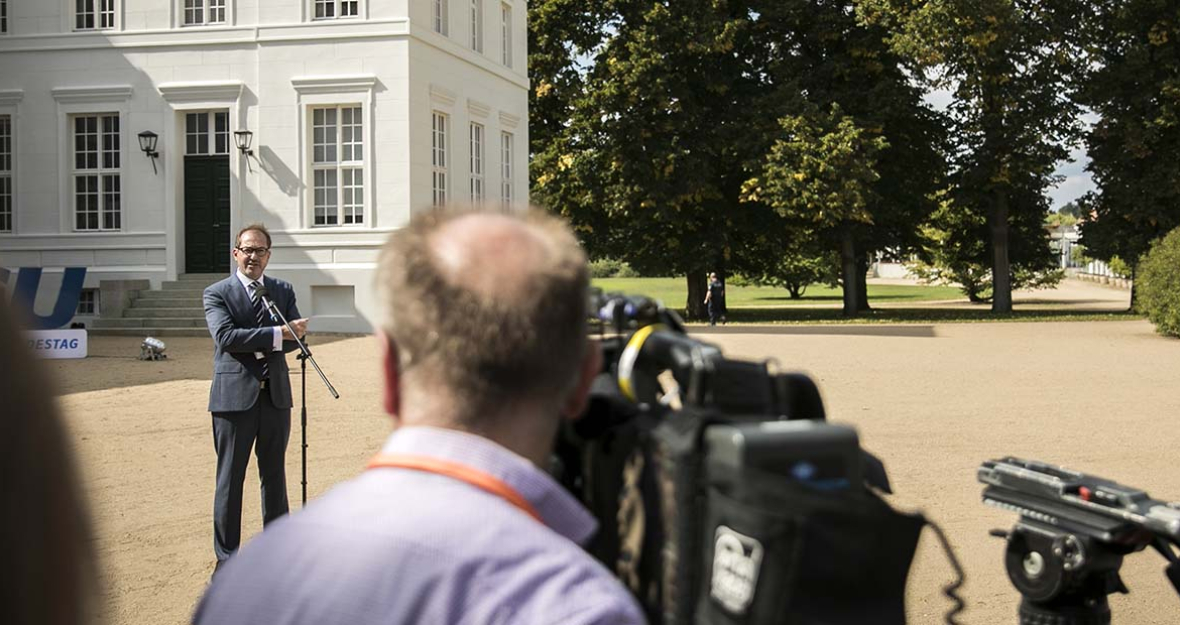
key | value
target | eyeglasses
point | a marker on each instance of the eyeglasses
(261, 252)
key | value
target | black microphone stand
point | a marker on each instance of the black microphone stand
(304, 356)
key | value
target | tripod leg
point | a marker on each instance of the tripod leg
(303, 424)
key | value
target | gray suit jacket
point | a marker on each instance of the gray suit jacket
(236, 336)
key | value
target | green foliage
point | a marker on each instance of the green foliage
(611, 268)
(1134, 88)
(1058, 219)
(1158, 285)
(1071, 209)
(1120, 267)
(1077, 254)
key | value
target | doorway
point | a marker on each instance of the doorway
(207, 236)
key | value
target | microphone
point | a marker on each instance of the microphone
(264, 294)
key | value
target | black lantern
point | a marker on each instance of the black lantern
(242, 139)
(147, 143)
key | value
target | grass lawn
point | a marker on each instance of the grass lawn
(673, 291)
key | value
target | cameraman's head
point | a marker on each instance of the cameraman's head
(485, 326)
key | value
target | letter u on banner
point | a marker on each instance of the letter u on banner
(29, 280)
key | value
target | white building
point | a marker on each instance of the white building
(361, 112)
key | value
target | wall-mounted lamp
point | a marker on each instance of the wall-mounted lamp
(242, 139)
(147, 143)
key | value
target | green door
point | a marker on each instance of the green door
(207, 239)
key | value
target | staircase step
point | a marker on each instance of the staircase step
(186, 312)
(172, 293)
(150, 322)
(166, 302)
(187, 285)
(156, 332)
(206, 278)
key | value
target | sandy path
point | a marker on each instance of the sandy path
(932, 401)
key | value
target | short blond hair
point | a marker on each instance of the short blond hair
(485, 351)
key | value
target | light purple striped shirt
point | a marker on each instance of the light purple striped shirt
(405, 546)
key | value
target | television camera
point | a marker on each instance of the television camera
(723, 494)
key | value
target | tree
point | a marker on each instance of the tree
(1135, 90)
(1010, 67)
(820, 173)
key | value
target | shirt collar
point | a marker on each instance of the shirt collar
(246, 281)
(559, 509)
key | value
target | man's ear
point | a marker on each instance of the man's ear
(391, 375)
(591, 366)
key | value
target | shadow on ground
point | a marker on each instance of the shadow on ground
(901, 331)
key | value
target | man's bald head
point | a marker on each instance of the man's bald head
(486, 308)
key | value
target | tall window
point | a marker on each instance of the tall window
(506, 34)
(506, 193)
(438, 158)
(3, 16)
(328, 9)
(440, 16)
(5, 173)
(94, 14)
(204, 12)
(477, 25)
(201, 137)
(476, 163)
(337, 165)
(88, 302)
(96, 172)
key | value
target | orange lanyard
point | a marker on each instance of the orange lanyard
(460, 472)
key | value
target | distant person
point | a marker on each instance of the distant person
(715, 299)
(251, 393)
(484, 351)
(50, 576)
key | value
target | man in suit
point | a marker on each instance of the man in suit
(251, 394)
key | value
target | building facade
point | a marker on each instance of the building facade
(358, 114)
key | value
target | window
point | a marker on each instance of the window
(5, 173)
(94, 14)
(3, 16)
(88, 302)
(438, 146)
(476, 163)
(337, 165)
(506, 169)
(440, 16)
(477, 25)
(96, 172)
(506, 35)
(200, 135)
(329, 9)
(204, 12)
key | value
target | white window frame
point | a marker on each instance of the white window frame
(336, 91)
(440, 16)
(476, 16)
(210, 134)
(211, 12)
(477, 135)
(7, 161)
(95, 299)
(440, 124)
(340, 167)
(506, 34)
(336, 7)
(507, 148)
(76, 101)
(106, 15)
(101, 171)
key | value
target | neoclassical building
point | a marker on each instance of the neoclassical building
(137, 136)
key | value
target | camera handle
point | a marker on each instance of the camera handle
(1063, 578)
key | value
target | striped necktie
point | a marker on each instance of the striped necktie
(260, 318)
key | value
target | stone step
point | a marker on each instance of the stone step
(145, 332)
(186, 312)
(186, 285)
(172, 293)
(206, 278)
(166, 302)
(150, 322)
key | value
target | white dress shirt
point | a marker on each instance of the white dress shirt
(278, 330)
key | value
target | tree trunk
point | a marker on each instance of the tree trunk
(695, 306)
(862, 284)
(1001, 269)
(1134, 270)
(848, 272)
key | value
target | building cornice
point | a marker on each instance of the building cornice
(111, 93)
(478, 109)
(222, 91)
(442, 95)
(305, 85)
(9, 97)
(508, 120)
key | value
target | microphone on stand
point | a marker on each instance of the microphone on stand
(264, 294)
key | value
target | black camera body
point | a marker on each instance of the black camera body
(722, 493)
(1064, 553)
